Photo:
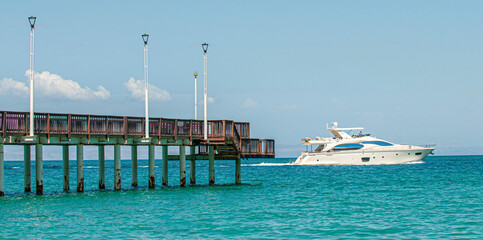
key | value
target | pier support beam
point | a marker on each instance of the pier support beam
(134, 165)
(151, 165)
(192, 165)
(2, 175)
(39, 187)
(80, 168)
(237, 171)
(165, 165)
(182, 166)
(117, 167)
(102, 171)
(27, 179)
(211, 164)
(65, 166)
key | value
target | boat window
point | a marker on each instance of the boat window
(348, 147)
(365, 159)
(380, 143)
(419, 153)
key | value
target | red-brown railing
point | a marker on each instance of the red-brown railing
(17, 123)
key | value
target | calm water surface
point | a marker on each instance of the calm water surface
(441, 199)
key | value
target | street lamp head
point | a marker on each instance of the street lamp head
(205, 47)
(196, 74)
(145, 38)
(32, 21)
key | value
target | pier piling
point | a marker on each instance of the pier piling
(80, 168)
(192, 165)
(2, 175)
(182, 166)
(134, 165)
(211, 164)
(65, 166)
(238, 171)
(165, 165)
(27, 179)
(102, 171)
(117, 167)
(39, 186)
(151, 165)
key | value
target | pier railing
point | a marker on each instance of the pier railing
(17, 123)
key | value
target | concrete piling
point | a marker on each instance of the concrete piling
(238, 171)
(192, 165)
(39, 186)
(2, 175)
(151, 165)
(211, 164)
(80, 168)
(134, 165)
(27, 179)
(65, 166)
(165, 165)
(182, 166)
(117, 167)
(102, 171)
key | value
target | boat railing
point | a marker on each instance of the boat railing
(427, 145)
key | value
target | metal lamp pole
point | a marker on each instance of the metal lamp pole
(146, 91)
(32, 20)
(205, 49)
(196, 96)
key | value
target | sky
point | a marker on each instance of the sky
(407, 71)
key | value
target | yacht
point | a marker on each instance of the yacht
(358, 149)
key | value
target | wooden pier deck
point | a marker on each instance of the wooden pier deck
(227, 139)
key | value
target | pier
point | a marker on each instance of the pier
(227, 140)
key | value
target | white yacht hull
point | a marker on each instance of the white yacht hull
(359, 157)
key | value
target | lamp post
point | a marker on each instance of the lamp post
(146, 91)
(196, 96)
(32, 20)
(205, 49)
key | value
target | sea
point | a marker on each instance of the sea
(441, 198)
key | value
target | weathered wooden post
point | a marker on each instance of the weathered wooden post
(2, 175)
(102, 171)
(192, 165)
(27, 179)
(65, 166)
(134, 165)
(151, 165)
(211, 164)
(117, 167)
(165, 165)
(39, 187)
(182, 166)
(237, 171)
(80, 168)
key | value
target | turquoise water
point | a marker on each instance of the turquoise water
(440, 199)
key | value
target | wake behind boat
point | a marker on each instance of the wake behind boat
(360, 149)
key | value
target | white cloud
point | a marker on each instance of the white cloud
(54, 86)
(10, 86)
(249, 103)
(136, 87)
(210, 100)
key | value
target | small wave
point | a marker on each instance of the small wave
(416, 162)
(16, 167)
(91, 167)
(267, 164)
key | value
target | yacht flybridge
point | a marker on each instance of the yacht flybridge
(358, 149)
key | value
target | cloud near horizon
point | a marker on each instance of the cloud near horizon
(53, 86)
(249, 103)
(136, 87)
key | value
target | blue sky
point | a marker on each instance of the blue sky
(408, 71)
